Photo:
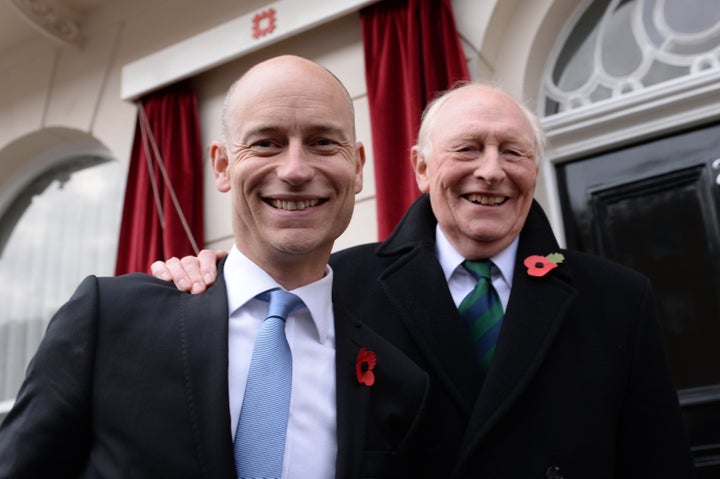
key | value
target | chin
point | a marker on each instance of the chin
(486, 231)
(300, 244)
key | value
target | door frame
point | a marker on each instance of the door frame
(658, 110)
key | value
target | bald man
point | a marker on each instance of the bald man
(136, 379)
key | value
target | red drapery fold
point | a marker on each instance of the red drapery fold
(163, 210)
(412, 51)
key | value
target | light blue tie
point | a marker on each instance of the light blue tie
(260, 435)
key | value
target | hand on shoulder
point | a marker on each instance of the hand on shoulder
(193, 274)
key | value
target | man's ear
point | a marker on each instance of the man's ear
(359, 164)
(220, 166)
(419, 164)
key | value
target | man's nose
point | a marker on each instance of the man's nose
(295, 167)
(489, 166)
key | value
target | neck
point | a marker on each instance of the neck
(478, 250)
(291, 271)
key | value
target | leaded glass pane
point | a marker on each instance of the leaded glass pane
(620, 46)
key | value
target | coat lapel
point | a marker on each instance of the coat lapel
(204, 346)
(415, 285)
(535, 311)
(417, 288)
(374, 421)
(352, 401)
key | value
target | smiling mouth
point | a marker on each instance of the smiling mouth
(485, 200)
(289, 205)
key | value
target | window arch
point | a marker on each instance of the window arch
(615, 47)
(61, 227)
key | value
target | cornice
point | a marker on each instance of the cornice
(52, 19)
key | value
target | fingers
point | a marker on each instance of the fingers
(160, 270)
(207, 264)
(190, 274)
(184, 273)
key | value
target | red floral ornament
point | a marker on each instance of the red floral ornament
(264, 23)
(541, 265)
(364, 368)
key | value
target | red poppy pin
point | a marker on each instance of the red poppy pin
(542, 265)
(364, 368)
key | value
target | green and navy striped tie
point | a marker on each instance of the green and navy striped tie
(482, 312)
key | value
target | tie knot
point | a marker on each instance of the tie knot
(281, 303)
(479, 269)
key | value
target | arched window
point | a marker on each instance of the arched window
(617, 47)
(60, 228)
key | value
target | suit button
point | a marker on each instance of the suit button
(553, 472)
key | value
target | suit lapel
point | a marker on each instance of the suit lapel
(204, 346)
(535, 311)
(415, 285)
(375, 420)
(352, 401)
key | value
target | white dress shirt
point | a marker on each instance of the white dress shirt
(311, 441)
(461, 282)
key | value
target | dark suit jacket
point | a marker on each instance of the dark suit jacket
(578, 387)
(130, 381)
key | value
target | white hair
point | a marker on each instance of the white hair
(428, 118)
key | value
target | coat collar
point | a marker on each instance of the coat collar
(415, 229)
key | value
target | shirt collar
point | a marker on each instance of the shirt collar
(450, 259)
(244, 280)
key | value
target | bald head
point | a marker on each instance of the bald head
(291, 163)
(285, 72)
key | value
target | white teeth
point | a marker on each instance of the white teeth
(294, 205)
(486, 200)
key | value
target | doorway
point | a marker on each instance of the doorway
(655, 207)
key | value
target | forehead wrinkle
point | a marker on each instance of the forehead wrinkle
(300, 107)
(259, 113)
(274, 114)
(501, 129)
(330, 129)
(497, 133)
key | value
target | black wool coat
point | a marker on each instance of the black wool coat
(579, 385)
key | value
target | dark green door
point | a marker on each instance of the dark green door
(655, 207)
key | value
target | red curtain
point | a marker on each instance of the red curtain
(163, 211)
(412, 51)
